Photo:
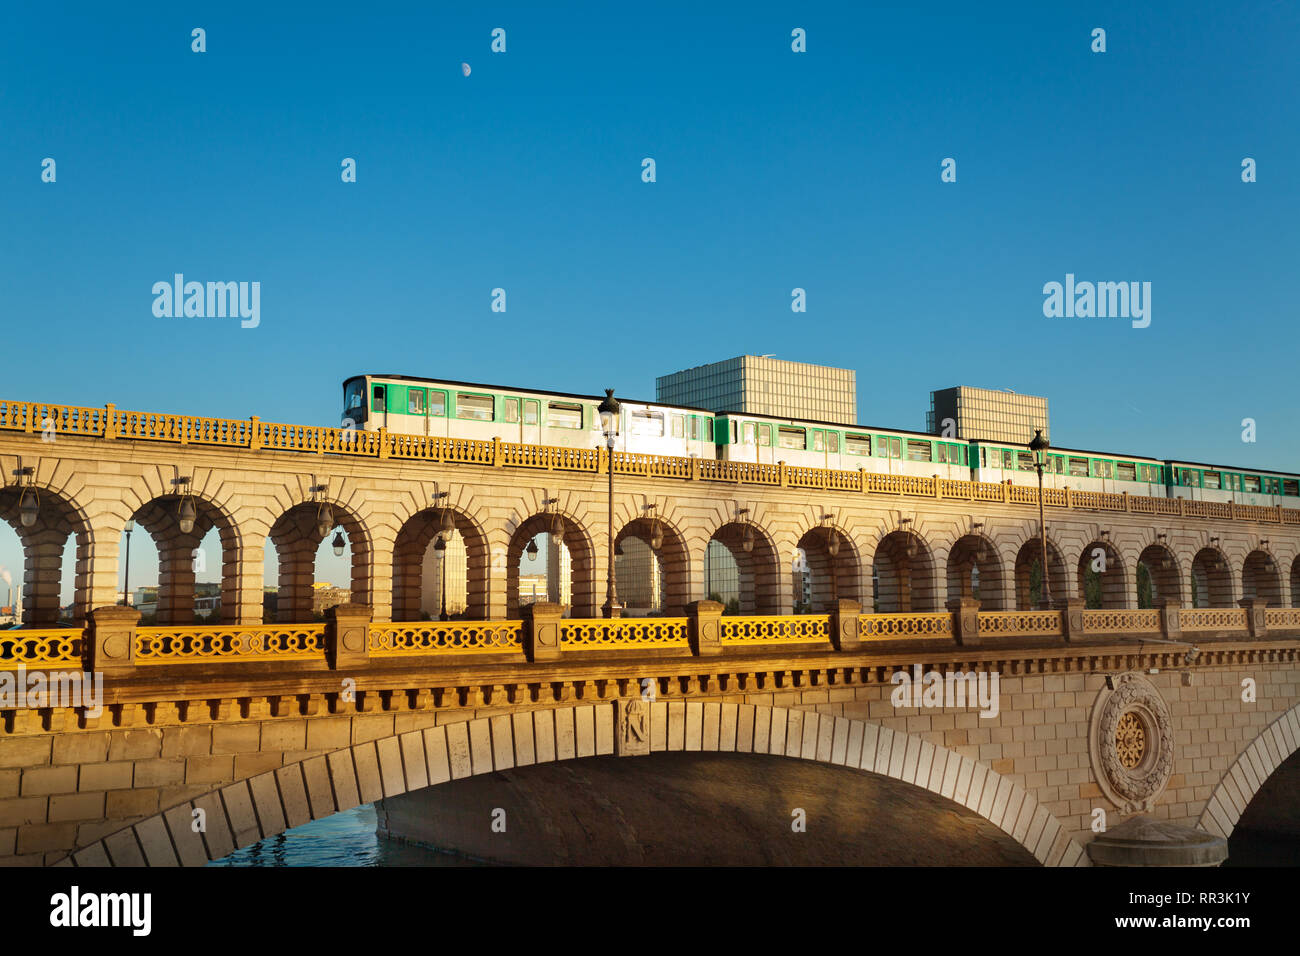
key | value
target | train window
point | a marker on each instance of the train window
(437, 403)
(749, 431)
(1007, 458)
(379, 398)
(708, 429)
(857, 444)
(648, 423)
(1270, 486)
(1290, 486)
(735, 431)
(919, 451)
(1079, 467)
(1147, 473)
(792, 438)
(480, 408)
(984, 457)
(1212, 479)
(1058, 464)
(765, 436)
(693, 428)
(833, 442)
(1250, 483)
(564, 415)
(355, 396)
(819, 441)
(1126, 471)
(679, 426)
(895, 448)
(1025, 460)
(512, 409)
(532, 411)
(415, 401)
(1103, 468)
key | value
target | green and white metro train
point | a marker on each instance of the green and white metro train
(449, 409)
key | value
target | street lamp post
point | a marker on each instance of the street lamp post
(608, 410)
(441, 547)
(126, 578)
(1039, 445)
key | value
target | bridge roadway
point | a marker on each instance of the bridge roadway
(898, 543)
(256, 729)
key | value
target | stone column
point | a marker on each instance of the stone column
(112, 640)
(347, 636)
(542, 630)
(1256, 625)
(1072, 626)
(846, 635)
(966, 622)
(1171, 625)
(705, 628)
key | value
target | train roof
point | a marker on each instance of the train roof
(812, 421)
(525, 391)
(1071, 451)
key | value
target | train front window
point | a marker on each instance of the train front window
(354, 396)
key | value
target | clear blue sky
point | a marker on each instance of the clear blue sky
(775, 170)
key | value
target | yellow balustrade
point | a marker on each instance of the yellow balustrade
(776, 629)
(229, 643)
(1213, 619)
(1117, 621)
(42, 647)
(445, 637)
(918, 624)
(1021, 623)
(624, 632)
(1282, 618)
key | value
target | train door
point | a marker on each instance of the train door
(436, 415)
(418, 410)
(532, 424)
(511, 416)
(379, 403)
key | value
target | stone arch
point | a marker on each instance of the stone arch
(904, 568)
(1113, 590)
(1030, 553)
(759, 569)
(58, 517)
(582, 560)
(179, 553)
(832, 576)
(1239, 784)
(1211, 579)
(409, 552)
(1261, 578)
(976, 551)
(673, 560)
(1162, 567)
(269, 803)
(296, 539)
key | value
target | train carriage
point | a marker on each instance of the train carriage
(1080, 470)
(441, 408)
(768, 440)
(1201, 482)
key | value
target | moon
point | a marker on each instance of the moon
(464, 68)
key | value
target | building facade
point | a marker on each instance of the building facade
(988, 414)
(762, 385)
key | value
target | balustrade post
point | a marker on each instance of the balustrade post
(780, 469)
(110, 421)
(965, 621)
(1006, 491)
(498, 459)
(255, 433)
(347, 635)
(1069, 497)
(705, 627)
(111, 641)
(846, 633)
(1256, 625)
(383, 441)
(938, 489)
(1072, 626)
(1127, 505)
(695, 468)
(864, 484)
(542, 630)
(1171, 625)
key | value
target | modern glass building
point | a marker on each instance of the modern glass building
(986, 413)
(762, 385)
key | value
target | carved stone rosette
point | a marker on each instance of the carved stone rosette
(1131, 743)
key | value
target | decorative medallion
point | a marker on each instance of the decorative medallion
(1131, 743)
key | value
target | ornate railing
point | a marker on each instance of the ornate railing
(229, 643)
(1282, 618)
(1214, 619)
(42, 647)
(1114, 621)
(921, 624)
(1021, 623)
(253, 434)
(445, 637)
(629, 632)
(776, 629)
